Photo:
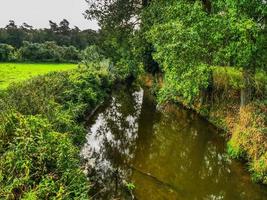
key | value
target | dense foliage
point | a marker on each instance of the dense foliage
(47, 52)
(40, 132)
(191, 36)
(182, 44)
(61, 33)
(7, 52)
(39, 52)
(119, 38)
(59, 43)
(188, 42)
(186, 39)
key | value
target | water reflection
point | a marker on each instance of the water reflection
(170, 155)
(111, 142)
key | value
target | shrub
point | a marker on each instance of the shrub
(48, 52)
(7, 53)
(40, 130)
(249, 140)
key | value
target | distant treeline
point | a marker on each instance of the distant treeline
(39, 52)
(60, 33)
(59, 43)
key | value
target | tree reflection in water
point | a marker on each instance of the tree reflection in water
(111, 142)
(170, 155)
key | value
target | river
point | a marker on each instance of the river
(169, 155)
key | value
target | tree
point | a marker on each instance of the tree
(11, 25)
(91, 56)
(71, 54)
(245, 39)
(190, 36)
(120, 22)
(6, 52)
(64, 26)
(180, 33)
(14, 34)
(26, 26)
(44, 52)
(62, 34)
(53, 26)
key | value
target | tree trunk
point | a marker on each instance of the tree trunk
(206, 93)
(248, 89)
(149, 63)
(207, 5)
(145, 3)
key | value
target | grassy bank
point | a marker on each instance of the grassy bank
(246, 126)
(41, 130)
(17, 72)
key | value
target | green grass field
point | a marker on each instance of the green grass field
(16, 72)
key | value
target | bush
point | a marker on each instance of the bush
(71, 54)
(91, 56)
(48, 52)
(40, 130)
(7, 53)
(249, 140)
(37, 154)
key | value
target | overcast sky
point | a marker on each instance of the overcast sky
(38, 12)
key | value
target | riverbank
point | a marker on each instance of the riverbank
(41, 131)
(245, 128)
(135, 151)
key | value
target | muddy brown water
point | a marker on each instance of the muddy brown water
(169, 155)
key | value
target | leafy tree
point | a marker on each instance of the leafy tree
(48, 52)
(53, 26)
(71, 54)
(14, 35)
(191, 36)
(244, 35)
(91, 56)
(179, 33)
(120, 22)
(60, 33)
(7, 52)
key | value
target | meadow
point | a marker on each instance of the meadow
(17, 72)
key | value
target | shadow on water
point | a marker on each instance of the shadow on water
(170, 155)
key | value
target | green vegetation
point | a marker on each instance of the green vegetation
(234, 78)
(179, 42)
(39, 52)
(182, 41)
(59, 43)
(40, 131)
(130, 186)
(190, 37)
(62, 34)
(17, 72)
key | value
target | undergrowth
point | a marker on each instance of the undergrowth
(249, 140)
(41, 130)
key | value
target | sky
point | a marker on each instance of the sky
(37, 13)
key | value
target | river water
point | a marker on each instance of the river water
(173, 154)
